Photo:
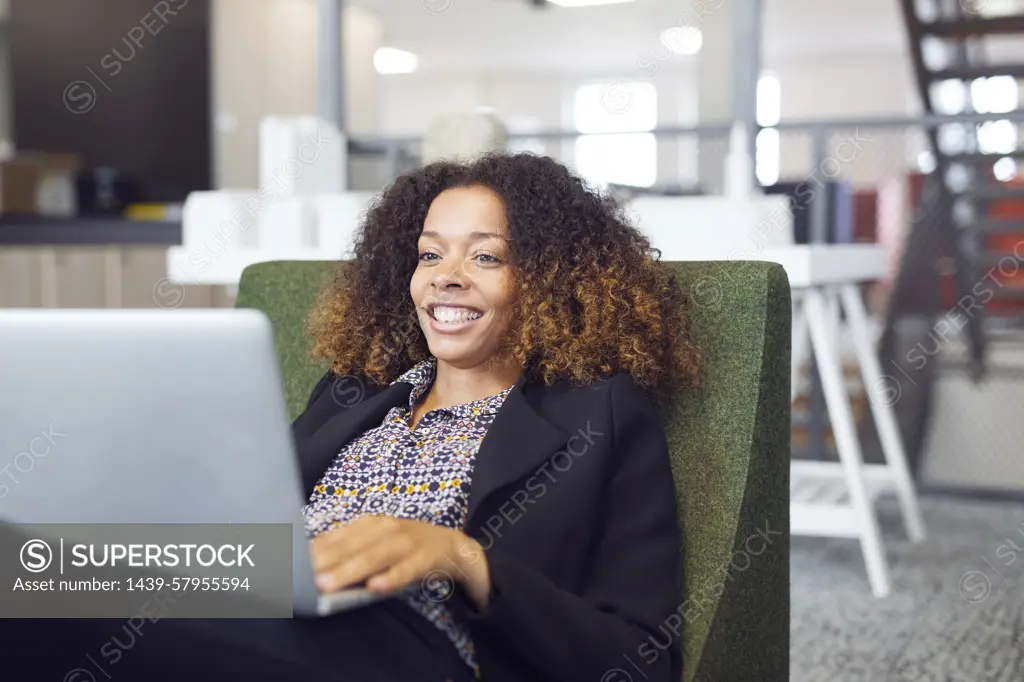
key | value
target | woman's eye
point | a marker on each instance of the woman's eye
(480, 257)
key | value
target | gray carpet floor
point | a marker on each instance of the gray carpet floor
(956, 612)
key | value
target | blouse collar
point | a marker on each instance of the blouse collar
(421, 376)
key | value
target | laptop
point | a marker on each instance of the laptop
(190, 398)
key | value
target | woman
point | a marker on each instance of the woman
(483, 445)
(484, 451)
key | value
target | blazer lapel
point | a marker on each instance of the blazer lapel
(516, 443)
(326, 442)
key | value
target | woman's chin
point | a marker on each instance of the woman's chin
(463, 351)
(451, 351)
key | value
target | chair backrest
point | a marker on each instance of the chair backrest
(729, 444)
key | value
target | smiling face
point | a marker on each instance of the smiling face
(462, 286)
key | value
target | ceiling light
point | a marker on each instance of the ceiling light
(682, 39)
(586, 3)
(391, 60)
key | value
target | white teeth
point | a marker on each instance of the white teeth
(454, 315)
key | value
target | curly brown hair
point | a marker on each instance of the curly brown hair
(592, 296)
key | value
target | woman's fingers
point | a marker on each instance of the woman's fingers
(329, 550)
(354, 568)
(413, 568)
(386, 553)
(360, 567)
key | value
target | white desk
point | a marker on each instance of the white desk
(837, 499)
(807, 265)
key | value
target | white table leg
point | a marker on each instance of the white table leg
(834, 323)
(841, 416)
(883, 392)
(799, 345)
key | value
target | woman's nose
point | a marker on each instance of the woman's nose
(451, 277)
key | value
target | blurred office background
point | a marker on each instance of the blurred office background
(888, 122)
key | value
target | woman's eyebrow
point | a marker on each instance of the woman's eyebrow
(473, 235)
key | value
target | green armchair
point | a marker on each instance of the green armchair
(729, 446)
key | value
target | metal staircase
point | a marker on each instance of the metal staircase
(951, 40)
(963, 254)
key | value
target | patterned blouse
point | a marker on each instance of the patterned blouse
(422, 473)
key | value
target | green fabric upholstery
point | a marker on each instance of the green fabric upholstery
(286, 291)
(730, 455)
(729, 445)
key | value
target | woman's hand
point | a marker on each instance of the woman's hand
(389, 554)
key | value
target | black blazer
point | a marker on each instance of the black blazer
(573, 502)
